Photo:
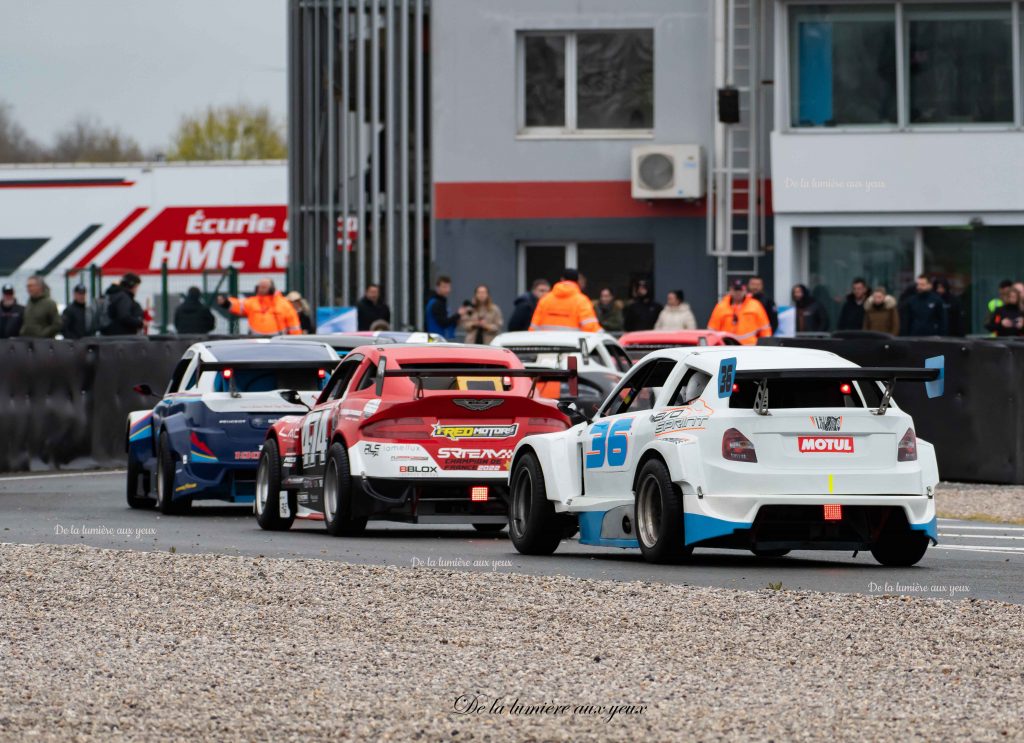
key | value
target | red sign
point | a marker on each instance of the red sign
(825, 444)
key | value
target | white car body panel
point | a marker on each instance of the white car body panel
(595, 344)
(720, 495)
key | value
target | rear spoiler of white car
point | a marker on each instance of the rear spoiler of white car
(570, 375)
(932, 374)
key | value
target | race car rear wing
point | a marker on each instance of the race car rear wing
(932, 374)
(570, 375)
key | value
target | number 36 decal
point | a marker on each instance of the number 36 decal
(609, 442)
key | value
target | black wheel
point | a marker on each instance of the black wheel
(268, 492)
(338, 495)
(900, 549)
(165, 499)
(658, 515)
(138, 478)
(570, 525)
(533, 525)
(770, 553)
(488, 528)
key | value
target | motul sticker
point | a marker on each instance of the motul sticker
(825, 444)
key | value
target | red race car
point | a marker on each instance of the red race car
(639, 343)
(413, 433)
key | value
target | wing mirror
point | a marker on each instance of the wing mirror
(573, 412)
(144, 389)
(293, 397)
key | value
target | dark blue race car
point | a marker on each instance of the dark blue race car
(203, 439)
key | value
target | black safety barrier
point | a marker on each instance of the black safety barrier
(977, 426)
(65, 403)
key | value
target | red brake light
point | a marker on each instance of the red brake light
(845, 388)
(227, 373)
(907, 450)
(833, 512)
(737, 447)
(403, 429)
(479, 493)
(321, 373)
(735, 386)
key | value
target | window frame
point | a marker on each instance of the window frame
(783, 63)
(570, 130)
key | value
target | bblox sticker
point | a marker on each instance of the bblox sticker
(474, 432)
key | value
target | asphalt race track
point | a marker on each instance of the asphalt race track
(973, 560)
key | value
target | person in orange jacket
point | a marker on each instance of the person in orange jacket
(742, 315)
(268, 312)
(565, 307)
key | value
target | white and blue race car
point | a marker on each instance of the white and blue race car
(203, 438)
(762, 449)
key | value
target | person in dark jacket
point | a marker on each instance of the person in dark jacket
(525, 304)
(642, 313)
(12, 314)
(438, 320)
(77, 320)
(956, 322)
(42, 318)
(608, 310)
(370, 308)
(810, 315)
(923, 313)
(851, 314)
(1007, 320)
(755, 288)
(192, 316)
(124, 314)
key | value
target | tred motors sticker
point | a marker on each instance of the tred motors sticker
(825, 444)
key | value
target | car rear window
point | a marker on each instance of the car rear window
(455, 382)
(809, 393)
(267, 380)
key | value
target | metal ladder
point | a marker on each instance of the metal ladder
(733, 216)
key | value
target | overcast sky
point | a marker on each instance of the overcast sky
(138, 64)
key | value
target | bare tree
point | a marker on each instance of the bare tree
(238, 132)
(15, 145)
(86, 140)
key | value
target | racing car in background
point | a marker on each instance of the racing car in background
(639, 343)
(342, 343)
(203, 438)
(764, 449)
(600, 361)
(413, 433)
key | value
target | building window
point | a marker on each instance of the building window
(955, 68)
(960, 63)
(843, 65)
(587, 81)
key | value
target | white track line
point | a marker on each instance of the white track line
(965, 527)
(979, 536)
(969, 548)
(61, 474)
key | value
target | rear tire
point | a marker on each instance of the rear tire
(268, 492)
(488, 528)
(338, 495)
(658, 515)
(533, 525)
(900, 549)
(165, 500)
(138, 477)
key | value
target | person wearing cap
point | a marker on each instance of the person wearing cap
(124, 315)
(268, 312)
(192, 317)
(12, 314)
(565, 306)
(303, 310)
(742, 315)
(76, 321)
(642, 313)
(42, 318)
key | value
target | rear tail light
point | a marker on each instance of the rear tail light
(737, 447)
(833, 512)
(846, 388)
(546, 425)
(402, 429)
(227, 373)
(321, 373)
(907, 450)
(479, 493)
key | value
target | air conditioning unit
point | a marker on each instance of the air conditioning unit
(668, 171)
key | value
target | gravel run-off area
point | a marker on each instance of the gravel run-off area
(959, 500)
(108, 645)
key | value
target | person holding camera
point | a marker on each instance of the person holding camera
(482, 320)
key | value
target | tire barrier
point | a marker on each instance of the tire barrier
(64, 403)
(977, 426)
